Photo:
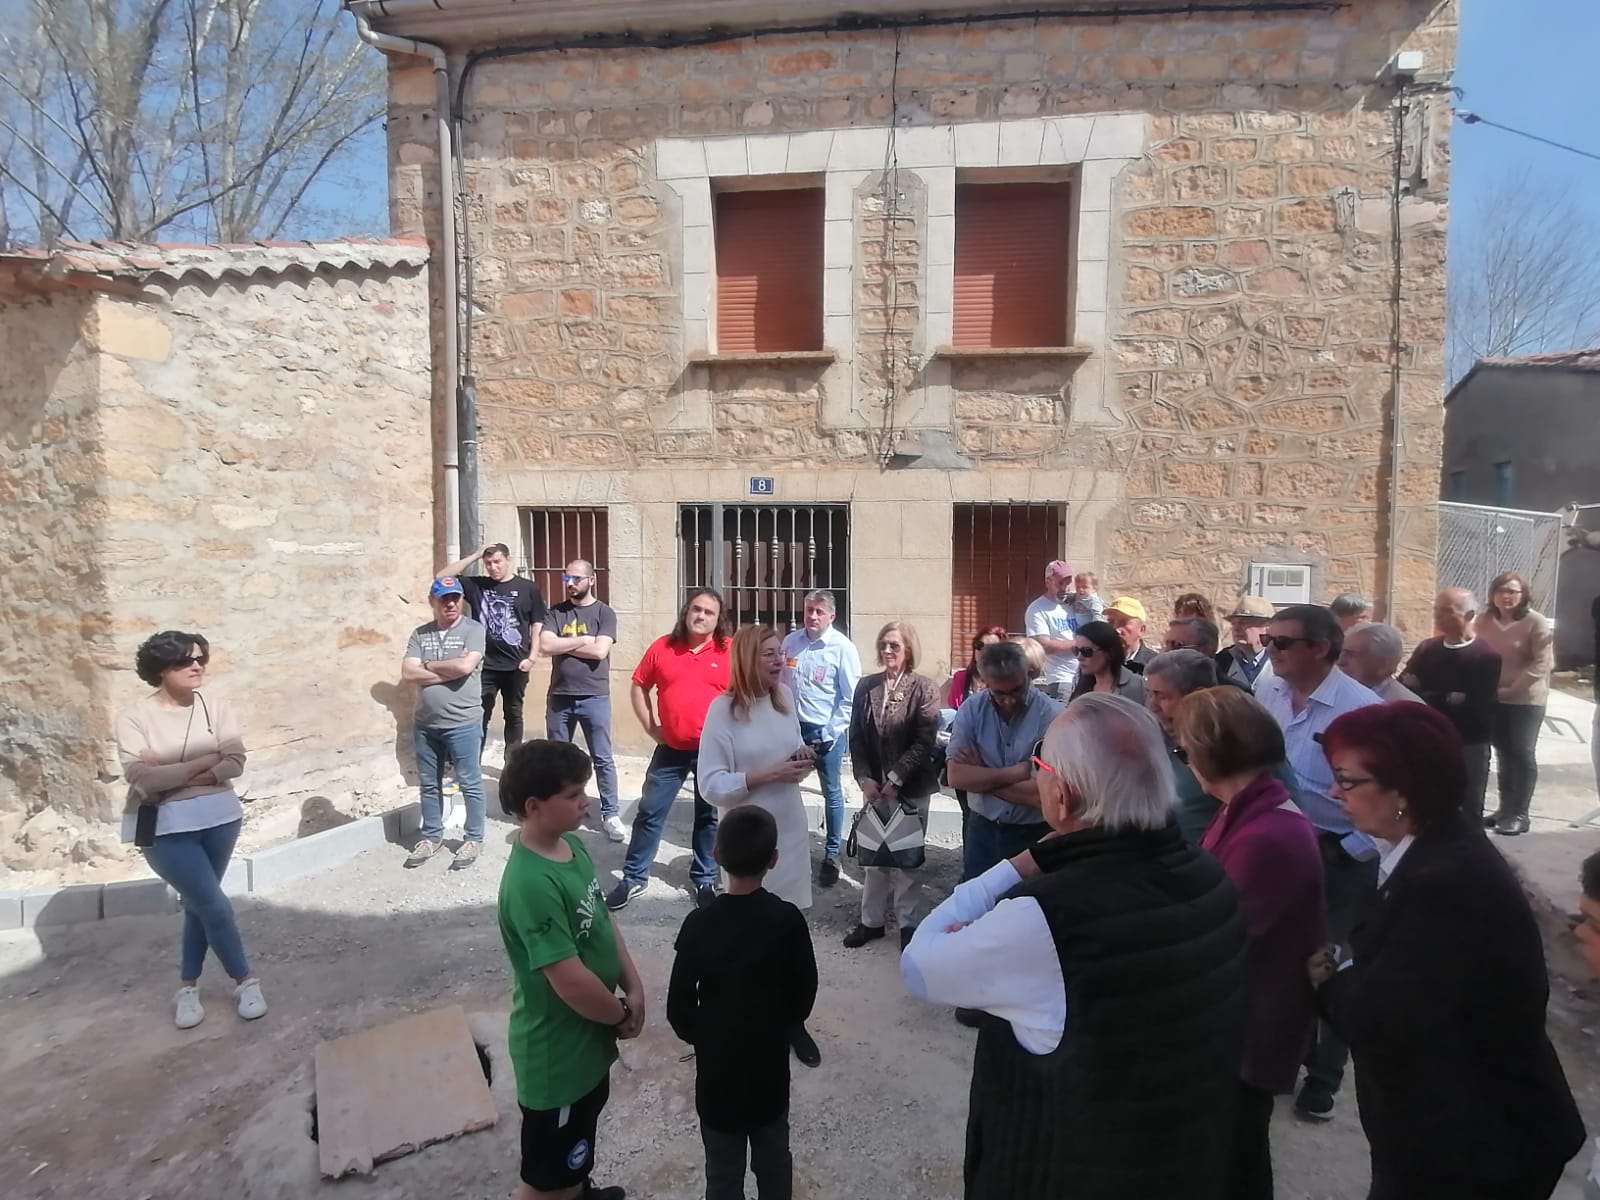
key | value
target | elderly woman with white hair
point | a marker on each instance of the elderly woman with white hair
(1147, 951)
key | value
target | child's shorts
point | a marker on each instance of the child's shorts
(558, 1143)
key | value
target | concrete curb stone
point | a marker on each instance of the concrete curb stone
(137, 898)
(10, 910)
(69, 905)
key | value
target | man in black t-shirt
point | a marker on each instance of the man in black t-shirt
(578, 637)
(512, 612)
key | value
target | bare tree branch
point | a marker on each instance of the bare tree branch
(193, 119)
(1529, 282)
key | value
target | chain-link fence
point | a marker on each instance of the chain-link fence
(1478, 542)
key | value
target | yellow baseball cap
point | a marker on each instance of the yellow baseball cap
(1128, 607)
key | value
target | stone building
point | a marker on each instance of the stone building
(233, 441)
(908, 304)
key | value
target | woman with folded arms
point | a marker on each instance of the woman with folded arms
(179, 750)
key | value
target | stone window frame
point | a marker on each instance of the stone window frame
(1096, 147)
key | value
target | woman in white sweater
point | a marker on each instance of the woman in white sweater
(751, 752)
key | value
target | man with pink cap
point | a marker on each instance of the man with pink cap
(1052, 622)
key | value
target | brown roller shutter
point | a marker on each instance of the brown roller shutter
(1012, 242)
(769, 271)
(998, 555)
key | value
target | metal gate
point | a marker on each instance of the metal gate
(1478, 542)
(765, 558)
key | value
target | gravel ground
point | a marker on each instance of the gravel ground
(104, 1097)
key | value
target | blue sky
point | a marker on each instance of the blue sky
(1532, 72)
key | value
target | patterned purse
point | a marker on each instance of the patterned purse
(896, 840)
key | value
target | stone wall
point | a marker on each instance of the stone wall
(1232, 281)
(54, 720)
(252, 461)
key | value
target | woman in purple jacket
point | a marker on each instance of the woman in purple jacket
(1269, 850)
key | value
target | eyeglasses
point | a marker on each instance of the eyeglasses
(1088, 651)
(1182, 755)
(573, 578)
(1038, 760)
(193, 660)
(1349, 783)
(1010, 693)
(1283, 643)
(887, 646)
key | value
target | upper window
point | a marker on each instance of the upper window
(1458, 485)
(1505, 483)
(1013, 255)
(769, 270)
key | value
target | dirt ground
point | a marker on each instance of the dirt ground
(103, 1097)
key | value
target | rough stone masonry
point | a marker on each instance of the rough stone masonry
(235, 442)
(1230, 404)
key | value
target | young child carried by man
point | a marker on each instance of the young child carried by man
(744, 974)
(567, 962)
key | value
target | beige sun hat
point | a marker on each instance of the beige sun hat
(1255, 607)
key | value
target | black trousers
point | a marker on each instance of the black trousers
(1515, 735)
(1346, 883)
(510, 685)
(1477, 780)
(769, 1159)
(1250, 1158)
(1388, 1184)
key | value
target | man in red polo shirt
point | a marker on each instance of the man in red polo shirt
(687, 669)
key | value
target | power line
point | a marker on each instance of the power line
(1467, 117)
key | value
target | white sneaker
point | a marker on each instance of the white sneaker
(190, 1011)
(615, 829)
(252, 1004)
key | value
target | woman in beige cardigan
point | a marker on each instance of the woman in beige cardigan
(894, 726)
(1525, 641)
(180, 752)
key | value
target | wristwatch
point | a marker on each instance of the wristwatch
(627, 1011)
(892, 778)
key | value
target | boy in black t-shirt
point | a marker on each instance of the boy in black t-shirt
(744, 974)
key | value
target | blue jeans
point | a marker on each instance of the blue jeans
(462, 746)
(564, 716)
(194, 863)
(662, 782)
(987, 843)
(832, 794)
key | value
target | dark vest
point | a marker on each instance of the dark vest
(1137, 1101)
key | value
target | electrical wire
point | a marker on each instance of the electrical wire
(1468, 117)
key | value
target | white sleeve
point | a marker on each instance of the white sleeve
(720, 784)
(1035, 623)
(1002, 961)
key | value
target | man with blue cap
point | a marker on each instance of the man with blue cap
(444, 658)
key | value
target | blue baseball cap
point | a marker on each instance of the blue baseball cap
(447, 585)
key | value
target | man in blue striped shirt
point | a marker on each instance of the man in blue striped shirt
(1306, 692)
(822, 668)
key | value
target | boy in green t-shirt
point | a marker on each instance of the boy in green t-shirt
(567, 961)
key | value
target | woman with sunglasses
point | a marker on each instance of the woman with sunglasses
(179, 750)
(967, 680)
(894, 724)
(1441, 992)
(1269, 851)
(1102, 664)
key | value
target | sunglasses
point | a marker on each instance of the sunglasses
(193, 660)
(574, 578)
(1283, 643)
(891, 646)
(1088, 651)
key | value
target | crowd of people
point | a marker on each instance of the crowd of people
(1194, 876)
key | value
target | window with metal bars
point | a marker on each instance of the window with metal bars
(1013, 278)
(553, 537)
(763, 558)
(769, 270)
(998, 556)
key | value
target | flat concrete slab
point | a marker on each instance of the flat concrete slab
(386, 1092)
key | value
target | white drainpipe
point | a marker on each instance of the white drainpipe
(447, 257)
